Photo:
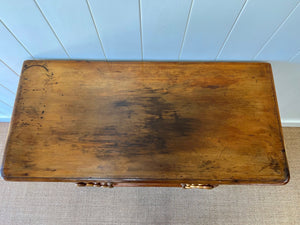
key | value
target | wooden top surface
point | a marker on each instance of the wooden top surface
(146, 121)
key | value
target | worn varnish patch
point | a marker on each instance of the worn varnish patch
(147, 121)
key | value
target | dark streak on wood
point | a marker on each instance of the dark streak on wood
(26, 67)
(212, 86)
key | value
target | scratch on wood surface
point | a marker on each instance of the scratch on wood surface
(27, 67)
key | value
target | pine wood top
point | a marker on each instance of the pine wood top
(155, 122)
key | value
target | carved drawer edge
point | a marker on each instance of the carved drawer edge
(198, 186)
(95, 184)
(111, 185)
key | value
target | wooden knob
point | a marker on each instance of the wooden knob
(94, 184)
(90, 184)
(110, 185)
(81, 184)
(198, 186)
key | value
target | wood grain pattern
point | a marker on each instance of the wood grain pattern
(146, 123)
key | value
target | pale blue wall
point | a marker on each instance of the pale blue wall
(169, 30)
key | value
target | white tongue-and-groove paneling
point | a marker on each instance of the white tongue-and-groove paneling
(163, 27)
(8, 78)
(209, 24)
(286, 41)
(118, 24)
(7, 96)
(296, 58)
(72, 22)
(11, 51)
(27, 23)
(257, 23)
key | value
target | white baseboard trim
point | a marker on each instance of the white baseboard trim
(286, 123)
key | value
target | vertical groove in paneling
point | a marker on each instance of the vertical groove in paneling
(9, 67)
(297, 55)
(207, 28)
(8, 78)
(73, 25)
(6, 104)
(141, 30)
(7, 96)
(16, 38)
(95, 26)
(27, 23)
(118, 24)
(256, 24)
(12, 53)
(275, 32)
(231, 29)
(286, 42)
(164, 23)
(53, 31)
(6, 88)
(186, 27)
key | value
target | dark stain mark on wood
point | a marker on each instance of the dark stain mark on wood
(49, 169)
(122, 103)
(162, 122)
(26, 67)
(212, 86)
(28, 166)
(274, 165)
(207, 165)
(110, 130)
(24, 124)
(155, 105)
(162, 125)
(61, 138)
(50, 75)
(30, 111)
(28, 163)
